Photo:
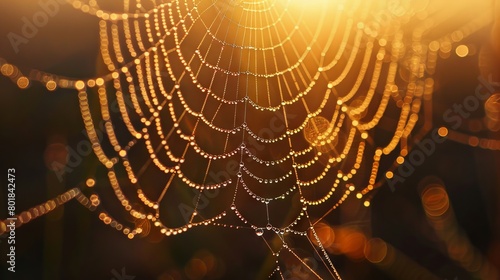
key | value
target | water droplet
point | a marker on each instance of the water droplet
(259, 232)
(269, 227)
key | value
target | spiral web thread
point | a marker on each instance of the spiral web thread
(197, 81)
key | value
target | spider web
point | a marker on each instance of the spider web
(268, 108)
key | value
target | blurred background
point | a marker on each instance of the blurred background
(442, 222)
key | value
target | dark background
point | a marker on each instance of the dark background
(71, 243)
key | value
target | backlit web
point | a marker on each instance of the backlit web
(255, 115)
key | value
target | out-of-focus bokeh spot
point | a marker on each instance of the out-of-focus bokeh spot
(435, 201)
(462, 51)
(56, 153)
(375, 250)
(324, 233)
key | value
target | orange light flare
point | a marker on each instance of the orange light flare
(3, 227)
(325, 234)
(56, 153)
(340, 240)
(435, 201)
(492, 110)
(436, 205)
(204, 265)
(495, 31)
(90, 182)
(354, 244)
(376, 251)
(196, 269)
(441, 217)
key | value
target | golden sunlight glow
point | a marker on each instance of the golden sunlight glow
(325, 235)
(296, 107)
(462, 51)
(375, 250)
(90, 182)
(435, 200)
